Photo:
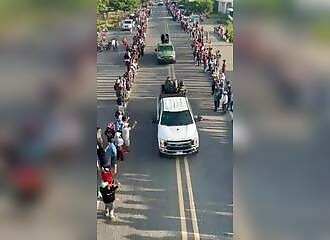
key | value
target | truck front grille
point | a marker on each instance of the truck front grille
(178, 145)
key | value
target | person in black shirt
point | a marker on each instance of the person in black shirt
(108, 192)
(101, 155)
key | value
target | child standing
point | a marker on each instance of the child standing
(108, 192)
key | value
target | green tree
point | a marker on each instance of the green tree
(124, 5)
(102, 6)
(198, 6)
(206, 6)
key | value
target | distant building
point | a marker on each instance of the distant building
(223, 5)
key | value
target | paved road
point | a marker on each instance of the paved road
(184, 198)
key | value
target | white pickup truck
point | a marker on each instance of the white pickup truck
(127, 25)
(177, 131)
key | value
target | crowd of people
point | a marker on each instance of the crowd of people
(113, 143)
(211, 60)
(103, 43)
(133, 54)
(221, 32)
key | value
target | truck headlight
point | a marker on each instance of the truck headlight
(162, 143)
(194, 141)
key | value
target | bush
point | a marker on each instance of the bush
(222, 18)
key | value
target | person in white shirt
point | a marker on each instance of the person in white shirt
(125, 134)
(224, 101)
(223, 77)
(99, 138)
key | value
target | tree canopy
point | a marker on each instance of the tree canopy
(198, 6)
(124, 5)
(102, 5)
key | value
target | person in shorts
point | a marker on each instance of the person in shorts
(108, 192)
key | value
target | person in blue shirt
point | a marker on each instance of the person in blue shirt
(111, 155)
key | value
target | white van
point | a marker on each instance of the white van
(177, 131)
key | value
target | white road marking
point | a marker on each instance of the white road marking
(171, 70)
(191, 201)
(181, 202)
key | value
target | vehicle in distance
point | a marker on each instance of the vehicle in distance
(177, 131)
(194, 18)
(160, 3)
(165, 51)
(127, 24)
(230, 13)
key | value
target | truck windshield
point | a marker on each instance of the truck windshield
(176, 118)
(165, 48)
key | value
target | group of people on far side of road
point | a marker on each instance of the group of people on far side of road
(211, 60)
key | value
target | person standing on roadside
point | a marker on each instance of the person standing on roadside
(126, 134)
(103, 162)
(99, 138)
(223, 69)
(108, 192)
(119, 143)
(216, 99)
(106, 175)
(224, 101)
(111, 155)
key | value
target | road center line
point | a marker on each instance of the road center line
(181, 202)
(171, 70)
(191, 201)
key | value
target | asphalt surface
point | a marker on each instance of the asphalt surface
(181, 198)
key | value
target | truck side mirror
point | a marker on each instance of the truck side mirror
(198, 118)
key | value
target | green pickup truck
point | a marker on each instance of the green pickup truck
(165, 52)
